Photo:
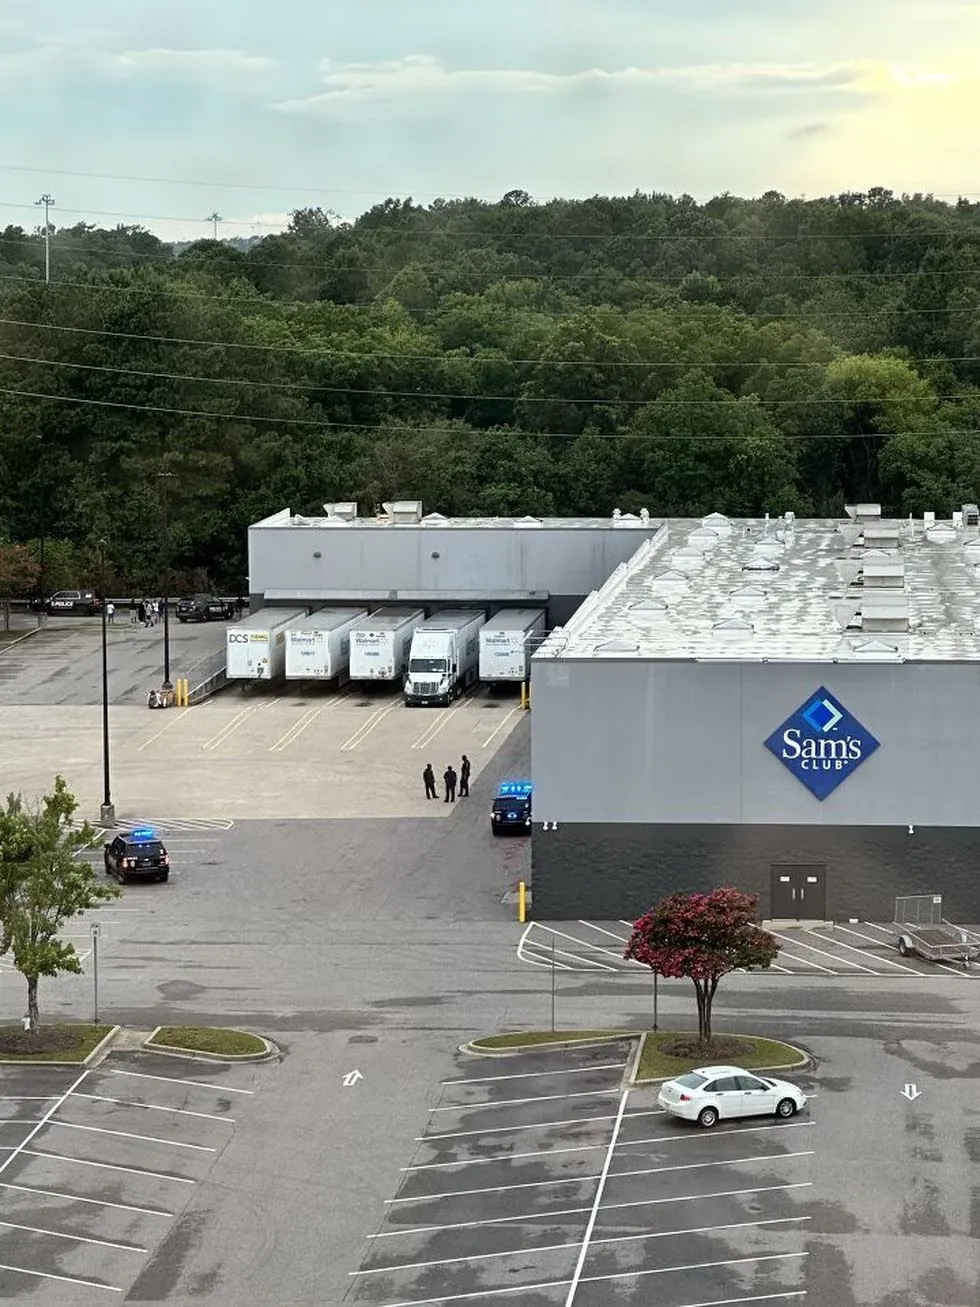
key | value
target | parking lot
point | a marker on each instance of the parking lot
(862, 948)
(97, 1164)
(541, 1178)
(345, 754)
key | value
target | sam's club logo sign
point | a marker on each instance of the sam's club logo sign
(821, 744)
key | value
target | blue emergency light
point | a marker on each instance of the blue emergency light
(144, 833)
(515, 789)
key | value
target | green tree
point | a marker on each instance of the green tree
(44, 884)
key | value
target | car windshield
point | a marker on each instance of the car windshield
(427, 665)
(147, 850)
(515, 801)
(692, 1081)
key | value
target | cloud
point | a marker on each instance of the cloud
(424, 75)
(807, 131)
(57, 58)
(202, 62)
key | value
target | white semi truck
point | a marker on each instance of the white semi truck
(507, 642)
(379, 643)
(445, 656)
(256, 646)
(319, 648)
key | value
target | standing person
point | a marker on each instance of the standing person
(132, 612)
(464, 778)
(110, 612)
(157, 609)
(240, 608)
(449, 776)
(429, 780)
(141, 612)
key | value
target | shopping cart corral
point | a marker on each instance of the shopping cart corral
(923, 930)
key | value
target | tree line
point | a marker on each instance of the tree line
(489, 358)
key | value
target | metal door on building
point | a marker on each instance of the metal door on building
(798, 893)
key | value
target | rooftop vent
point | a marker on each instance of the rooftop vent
(877, 651)
(863, 512)
(760, 563)
(669, 580)
(941, 534)
(718, 523)
(884, 576)
(704, 538)
(616, 647)
(885, 613)
(771, 547)
(404, 512)
(748, 596)
(434, 519)
(881, 536)
(644, 515)
(624, 519)
(527, 521)
(347, 512)
(647, 612)
(733, 628)
(971, 515)
(688, 558)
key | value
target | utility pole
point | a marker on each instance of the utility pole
(48, 202)
(107, 814)
(215, 218)
(165, 479)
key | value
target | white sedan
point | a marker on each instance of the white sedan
(714, 1092)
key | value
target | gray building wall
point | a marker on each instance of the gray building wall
(382, 563)
(659, 778)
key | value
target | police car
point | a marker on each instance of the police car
(512, 808)
(137, 855)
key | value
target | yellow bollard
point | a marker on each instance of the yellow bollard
(521, 902)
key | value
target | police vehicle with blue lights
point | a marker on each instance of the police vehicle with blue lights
(512, 808)
(137, 855)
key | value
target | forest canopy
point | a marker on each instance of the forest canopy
(506, 358)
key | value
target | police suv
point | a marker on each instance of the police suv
(512, 808)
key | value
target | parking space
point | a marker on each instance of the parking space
(347, 754)
(541, 1180)
(96, 1165)
(860, 948)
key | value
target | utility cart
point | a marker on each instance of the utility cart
(923, 930)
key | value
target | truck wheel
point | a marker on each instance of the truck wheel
(903, 947)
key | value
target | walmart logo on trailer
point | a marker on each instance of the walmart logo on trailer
(821, 744)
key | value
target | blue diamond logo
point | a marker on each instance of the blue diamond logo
(822, 744)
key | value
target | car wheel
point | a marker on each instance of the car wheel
(108, 869)
(708, 1117)
(495, 830)
(182, 620)
(785, 1107)
(165, 877)
(123, 879)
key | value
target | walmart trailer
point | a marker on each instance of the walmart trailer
(507, 642)
(318, 649)
(379, 643)
(256, 646)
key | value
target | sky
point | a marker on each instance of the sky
(163, 113)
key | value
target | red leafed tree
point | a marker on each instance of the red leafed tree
(18, 574)
(702, 937)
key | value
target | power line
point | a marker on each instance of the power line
(367, 306)
(474, 396)
(396, 424)
(165, 256)
(305, 351)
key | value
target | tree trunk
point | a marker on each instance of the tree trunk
(704, 1012)
(32, 1009)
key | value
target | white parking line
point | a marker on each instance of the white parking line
(535, 1125)
(109, 1166)
(365, 729)
(798, 943)
(587, 1179)
(178, 717)
(174, 1080)
(434, 727)
(548, 961)
(528, 1075)
(519, 1102)
(561, 1247)
(549, 951)
(500, 726)
(297, 729)
(864, 952)
(157, 1107)
(43, 1121)
(730, 1130)
(76, 1238)
(125, 1134)
(578, 1211)
(600, 1187)
(575, 940)
(62, 1279)
(623, 939)
(78, 1198)
(805, 962)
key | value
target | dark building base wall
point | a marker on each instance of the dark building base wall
(613, 871)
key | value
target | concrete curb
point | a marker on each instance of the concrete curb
(96, 1055)
(473, 1051)
(803, 1061)
(9, 644)
(174, 1050)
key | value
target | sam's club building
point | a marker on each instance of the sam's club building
(789, 706)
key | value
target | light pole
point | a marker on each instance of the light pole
(166, 478)
(107, 815)
(46, 201)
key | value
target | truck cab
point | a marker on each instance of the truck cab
(511, 809)
(432, 668)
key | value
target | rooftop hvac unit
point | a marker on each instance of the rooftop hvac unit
(347, 511)
(863, 512)
(971, 515)
(404, 512)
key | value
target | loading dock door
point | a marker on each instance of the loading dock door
(798, 893)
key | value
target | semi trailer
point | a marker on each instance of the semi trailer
(507, 642)
(319, 648)
(379, 643)
(256, 646)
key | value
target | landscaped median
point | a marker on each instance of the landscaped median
(72, 1042)
(210, 1041)
(661, 1055)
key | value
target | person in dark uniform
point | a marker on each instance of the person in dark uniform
(429, 780)
(449, 776)
(464, 778)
